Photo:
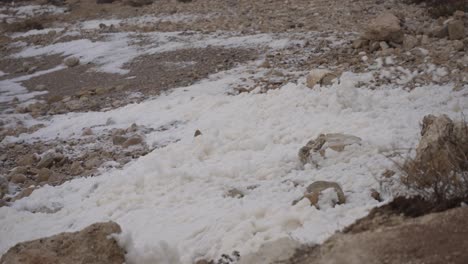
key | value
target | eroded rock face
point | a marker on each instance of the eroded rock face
(334, 141)
(92, 245)
(385, 27)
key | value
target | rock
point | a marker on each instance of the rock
(458, 45)
(397, 241)
(72, 61)
(26, 160)
(92, 245)
(376, 195)
(138, 3)
(118, 139)
(440, 31)
(234, 193)
(425, 40)
(410, 42)
(74, 105)
(92, 163)
(103, 90)
(314, 191)
(100, 2)
(360, 43)
(456, 29)
(18, 178)
(76, 169)
(134, 140)
(43, 175)
(197, 133)
(459, 15)
(334, 141)
(383, 45)
(47, 160)
(442, 144)
(321, 77)
(87, 132)
(24, 193)
(385, 27)
(54, 98)
(3, 187)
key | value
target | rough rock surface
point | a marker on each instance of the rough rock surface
(433, 238)
(385, 27)
(334, 141)
(92, 245)
(314, 191)
(441, 140)
(320, 76)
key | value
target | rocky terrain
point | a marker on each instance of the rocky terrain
(274, 108)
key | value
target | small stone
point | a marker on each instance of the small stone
(265, 64)
(74, 105)
(18, 178)
(87, 132)
(103, 90)
(383, 45)
(458, 45)
(197, 133)
(92, 163)
(456, 29)
(234, 193)
(118, 139)
(334, 141)
(321, 77)
(134, 140)
(360, 43)
(26, 160)
(54, 98)
(110, 121)
(72, 61)
(24, 193)
(409, 42)
(43, 175)
(40, 87)
(76, 169)
(376, 195)
(47, 160)
(425, 40)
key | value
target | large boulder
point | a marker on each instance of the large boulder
(92, 245)
(433, 238)
(442, 141)
(385, 27)
(334, 141)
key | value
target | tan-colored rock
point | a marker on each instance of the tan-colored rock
(410, 42)
(314, 190)
(26, 160)
(134, 140)
(87, 132)
(334, 141)
(456, 29)
(76, 168)
(92, 245)
(71, 61)
(118, 139)
(385, 27)
(18, 178)
(321, 77)
(43, 175)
